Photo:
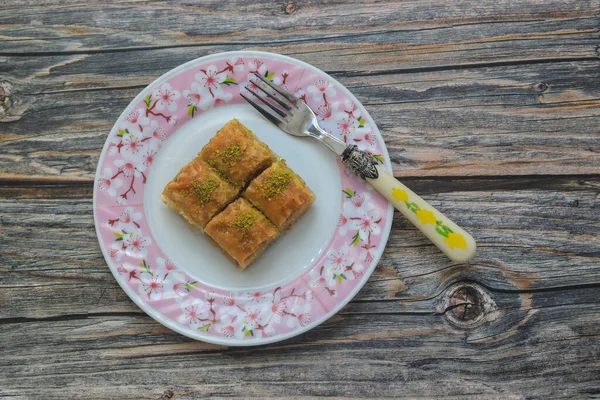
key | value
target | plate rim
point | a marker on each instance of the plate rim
(152, 312)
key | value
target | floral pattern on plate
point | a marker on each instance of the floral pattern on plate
(163, 289)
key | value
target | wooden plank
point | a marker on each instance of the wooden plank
(401, 34)
(534, 236)
(548, 349)
(505, 120)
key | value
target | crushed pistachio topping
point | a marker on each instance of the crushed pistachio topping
(230, 155)
(245, 221)
(276, 183)
(203, 190)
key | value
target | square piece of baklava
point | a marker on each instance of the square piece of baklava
(237, 154)
(242, 232)
(198, 193)
(280, 194)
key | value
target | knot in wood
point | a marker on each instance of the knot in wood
(542, 86)
(467, 304)
(290, 8)
(5, 100)
(168, 394)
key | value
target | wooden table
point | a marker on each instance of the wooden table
(490, 109)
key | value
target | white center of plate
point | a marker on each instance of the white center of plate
(292, 253)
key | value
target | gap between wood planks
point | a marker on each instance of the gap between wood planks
(452, 183)
(140, 313)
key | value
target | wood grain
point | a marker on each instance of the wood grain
(69, 324)
(489, 109)
(517, 120)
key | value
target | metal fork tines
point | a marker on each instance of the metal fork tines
(286, 105)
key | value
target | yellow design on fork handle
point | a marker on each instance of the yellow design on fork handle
(456, 240)
(426, 217)
(450, 238)
(399, 195)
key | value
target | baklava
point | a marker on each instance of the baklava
(281, 195)
(237, 154)
(198, 193)
(242, 232)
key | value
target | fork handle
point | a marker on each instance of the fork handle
(451, 239)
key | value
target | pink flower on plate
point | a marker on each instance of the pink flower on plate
(327, 110)
(367, 252)
(257, 314)
(337, 261)
(357, 205)
(278, 310)
(343, 224)
(229, 300)
(195, 94)
(136, 120)
(354, 271)
(136, 244)
(257, 66)
(166, 97)
(345, 127)
(350, 109)
(235, 65)
(281, 79)
(157, 132)
(230, 326)
(153, 282)
(218, 98)
(256, 296)
(320, 282)
(108, 182)
(299, 315)
(114, 145)
(300, 94)
(129, 272)
(364, 138)
(367, 223)
(127, 220)
(222, 98)
(210, 78)
(131, 165)
(171, 268)
(195, 313)
(133, 144)
(116, 251)
(321, 90)
(148, 157)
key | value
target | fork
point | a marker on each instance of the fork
(295, 118)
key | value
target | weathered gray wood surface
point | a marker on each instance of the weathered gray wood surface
(490, 109)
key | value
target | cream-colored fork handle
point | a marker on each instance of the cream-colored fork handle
(451, 239)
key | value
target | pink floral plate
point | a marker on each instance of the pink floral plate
(180, 279)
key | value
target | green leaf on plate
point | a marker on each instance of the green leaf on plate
(206, 327)
(349, 193)
(356, 239)
(145, 268)
(191, 110)
(190, 285)
(229, 81)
